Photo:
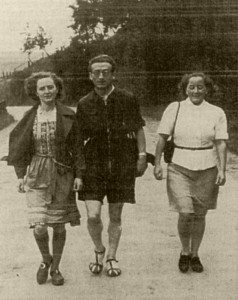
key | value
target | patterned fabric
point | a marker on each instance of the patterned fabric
(68, 141)
(49, 188)
(44, 136)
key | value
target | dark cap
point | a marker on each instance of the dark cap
(102, 58)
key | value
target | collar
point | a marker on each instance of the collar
(188, 102)
(105, 97)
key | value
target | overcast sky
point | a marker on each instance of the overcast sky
(53, 15)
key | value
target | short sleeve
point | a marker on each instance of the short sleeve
(221, 126)
(168, 118)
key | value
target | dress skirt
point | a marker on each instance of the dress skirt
(49, 193)
(191, 191)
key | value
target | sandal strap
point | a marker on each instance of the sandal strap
(111, 259)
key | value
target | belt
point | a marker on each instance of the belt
(54, 160)
(191, 148)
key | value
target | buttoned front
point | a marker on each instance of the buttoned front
(110, 146)
(109, 129)
(197, 126)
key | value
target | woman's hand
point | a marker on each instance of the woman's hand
(78, 184)
(141, 165)
(158, 172)
(21, 185)
(221, 178)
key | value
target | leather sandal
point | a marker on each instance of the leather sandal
(96, 267)
(42, 273)
(112, 271)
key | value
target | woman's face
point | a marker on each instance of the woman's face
(46, 90)
(196, 89)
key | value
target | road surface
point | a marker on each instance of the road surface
(148, 252)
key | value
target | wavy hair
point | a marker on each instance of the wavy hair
(182, 86)
(30, 84)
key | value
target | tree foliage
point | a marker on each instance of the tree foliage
(158, 36)
(37, 40)
(153, 41)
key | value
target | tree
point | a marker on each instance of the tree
(32, 41)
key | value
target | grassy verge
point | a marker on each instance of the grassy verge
(5, 119)
(233, 133)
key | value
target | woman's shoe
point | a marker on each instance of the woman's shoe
(96, 267)
(196, 265)
(112, 268)
(42, 273)
(57, 278)
(184, 262)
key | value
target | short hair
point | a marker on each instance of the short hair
(182, 86)
(30, 84)
(102, 58)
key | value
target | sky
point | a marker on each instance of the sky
(53, 15)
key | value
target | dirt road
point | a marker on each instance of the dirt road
(148, 252)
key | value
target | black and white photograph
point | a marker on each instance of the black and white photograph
(119, 149)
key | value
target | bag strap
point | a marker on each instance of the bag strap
(175, 119)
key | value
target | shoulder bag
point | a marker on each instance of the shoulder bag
(169, 145)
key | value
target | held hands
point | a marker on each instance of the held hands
(78, 184)
(158, 172)
(221, 178)
(20, 185)
(141, 165)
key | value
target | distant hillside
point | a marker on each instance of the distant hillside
(11, 60)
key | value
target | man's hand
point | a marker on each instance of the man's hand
(141, 165)
(21, 185)
(78, 184)
(158, 172)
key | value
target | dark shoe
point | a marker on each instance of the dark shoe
(96, 267)
(112, 268)
(196, 264)
(57, 278)
(183, 264)
(42, 273)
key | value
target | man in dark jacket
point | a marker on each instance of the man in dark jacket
(115, 152)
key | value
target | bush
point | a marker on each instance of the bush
(5, 119)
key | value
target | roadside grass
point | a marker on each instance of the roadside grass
(233, 133)
(5, 119)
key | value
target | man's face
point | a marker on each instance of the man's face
(101, 75)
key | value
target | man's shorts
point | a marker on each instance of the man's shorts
(116, 189)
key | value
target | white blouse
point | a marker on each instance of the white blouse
(197, 126)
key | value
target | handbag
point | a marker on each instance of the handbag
(169, 144)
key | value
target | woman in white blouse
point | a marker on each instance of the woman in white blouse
(198, 165)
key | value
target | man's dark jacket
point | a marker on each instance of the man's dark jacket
(68, 141)
(109, 132)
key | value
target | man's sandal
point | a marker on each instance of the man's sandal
(96, 267)
(112, 269)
